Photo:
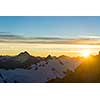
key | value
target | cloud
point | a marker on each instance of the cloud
(92, 40)
(7, 36)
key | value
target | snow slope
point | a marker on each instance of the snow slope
(40, 72)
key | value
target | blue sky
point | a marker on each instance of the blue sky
(50, 26)
(39, 35)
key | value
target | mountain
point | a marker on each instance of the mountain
(49, 57)
(86, 72)
(37, 69)
(22, 57)
(22, 60)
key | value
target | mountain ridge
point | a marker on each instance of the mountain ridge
(87, 72)
(35, 69)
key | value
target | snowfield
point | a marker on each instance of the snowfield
(40, 72)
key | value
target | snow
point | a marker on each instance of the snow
(40, 72)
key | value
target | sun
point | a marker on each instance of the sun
(86, 53)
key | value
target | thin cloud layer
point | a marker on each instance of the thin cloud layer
(50, 40)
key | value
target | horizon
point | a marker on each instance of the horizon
(54, 35)
(81, 56)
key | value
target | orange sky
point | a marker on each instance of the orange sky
(46, 49)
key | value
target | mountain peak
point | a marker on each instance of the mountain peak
(24, 53)
(99, 53)
(63, 57)
(49, 57)
(23, 56)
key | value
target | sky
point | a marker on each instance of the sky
(50, 26)
(55, 35)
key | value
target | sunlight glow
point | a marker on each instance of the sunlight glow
(86, 53)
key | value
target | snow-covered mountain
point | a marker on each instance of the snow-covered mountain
(22, 60)
(41, 69)
(87, 72)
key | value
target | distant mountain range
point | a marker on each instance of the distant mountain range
(23, 60)
(29, 69)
